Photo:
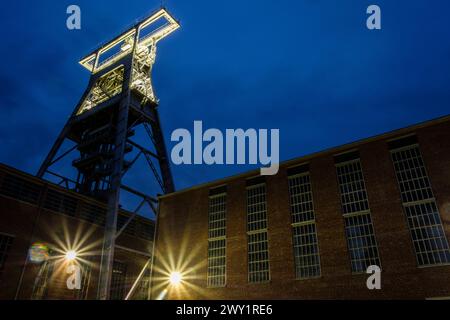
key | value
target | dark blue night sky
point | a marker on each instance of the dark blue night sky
(309, 67)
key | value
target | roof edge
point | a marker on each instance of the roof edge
(305, 158)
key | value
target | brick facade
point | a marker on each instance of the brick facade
(182, 229)
(27, 215)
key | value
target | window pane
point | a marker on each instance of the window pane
(306, 248)
(5, 245)
(118, 281)
(359, 230)
(424, 221)
(258, 249)
(217, 241)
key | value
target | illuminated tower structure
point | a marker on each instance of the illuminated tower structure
(119, 97)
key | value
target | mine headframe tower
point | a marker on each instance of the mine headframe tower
(119, 97)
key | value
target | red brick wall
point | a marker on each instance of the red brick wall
(17, 218)
(183, 225)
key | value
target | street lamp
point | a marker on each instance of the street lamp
(70, 255)
(175, 278)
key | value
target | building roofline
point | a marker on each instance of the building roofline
(305, 158)
(43, 182)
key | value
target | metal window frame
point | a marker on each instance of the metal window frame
(261, 230)
(353, 182)
(317, 254)
(406, 148)
(86, 276)
(424, 240)
(259, 262)
(210, 213)
(260, 223)
(209, 277)
(302, 223)
(121, 284)
(357, 213)
(419, 202)
(41, 282)
(367, 237)
(295, 176)
(4, 254)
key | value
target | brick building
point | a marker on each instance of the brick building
(36, 213)
(311, 231)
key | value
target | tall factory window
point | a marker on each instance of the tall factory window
(142, 291)
(5, 245)
(361, 241)
(118, 281)
(419, 204)
(306, 247)
(217, 237)
(86, 272)
(258, 247)
(42, 280)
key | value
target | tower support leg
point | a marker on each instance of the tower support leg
(107, 261)
(51, 155)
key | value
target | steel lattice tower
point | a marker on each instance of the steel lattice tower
(119, 97)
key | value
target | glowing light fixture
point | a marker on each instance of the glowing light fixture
(71, 255)
(175, 278)
(92, 63)
(125, 47)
